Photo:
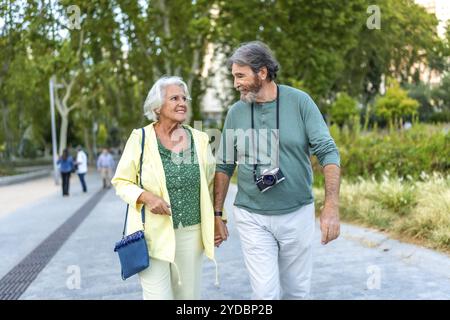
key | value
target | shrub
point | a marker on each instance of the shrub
(395, 105)
(344, 109)
(423, 148)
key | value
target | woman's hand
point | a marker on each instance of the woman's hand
(154, 203)
(220, 231)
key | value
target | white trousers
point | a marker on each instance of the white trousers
(277, 252)
(181, 280)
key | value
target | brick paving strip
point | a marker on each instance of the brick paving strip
(19, 278)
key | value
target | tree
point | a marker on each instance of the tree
(11, 37)
(324, 47)
(441, 94)
(395, 105)
(168, 38)
(62, 104)
(398, 49)
(310, 40)
(422, 92)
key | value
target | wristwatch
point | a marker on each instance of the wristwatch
(217, 213)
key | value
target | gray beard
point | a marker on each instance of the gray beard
(249, 98)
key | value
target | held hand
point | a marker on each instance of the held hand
(220, 231)
(155, 204)
(329, 224)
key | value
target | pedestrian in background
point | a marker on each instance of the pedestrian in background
(105, 164)
(82, 167)
(66, 166)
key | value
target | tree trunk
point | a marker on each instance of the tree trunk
(167, 33)
(88, 145)
(62, 104)
(194, 73)
(64, 111)
(366, 118)
(7, 132)
(63, 132)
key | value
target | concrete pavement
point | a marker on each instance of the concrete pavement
(361, 264)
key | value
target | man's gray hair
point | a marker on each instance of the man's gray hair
(256, 55)
(155, 97)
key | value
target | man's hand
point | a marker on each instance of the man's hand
(221, 183)
(154, 203)
(329, 224)
(329, 218)
(220, 231)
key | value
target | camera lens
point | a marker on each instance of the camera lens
(269, 180)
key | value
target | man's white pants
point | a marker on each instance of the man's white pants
(277, 252)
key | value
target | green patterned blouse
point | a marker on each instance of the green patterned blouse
(183, 183)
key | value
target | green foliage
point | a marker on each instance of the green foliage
(102, 135)
(310, 40)
(440, 116)
(434, 100)
(126, 46)
(344, 109)
(423, 148)
(324, 47)
(441, 94)
(393, 50)
(395, 105)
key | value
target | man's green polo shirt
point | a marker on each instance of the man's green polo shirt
(302, 132)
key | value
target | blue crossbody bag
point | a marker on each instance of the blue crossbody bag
(132, 249)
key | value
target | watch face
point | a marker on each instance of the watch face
(269, 180)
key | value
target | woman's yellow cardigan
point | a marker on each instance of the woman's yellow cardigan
(159, 231)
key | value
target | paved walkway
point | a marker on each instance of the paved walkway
(362, 264)
(15, 196)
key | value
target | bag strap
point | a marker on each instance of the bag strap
(140, 183)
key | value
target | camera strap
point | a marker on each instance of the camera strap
(277, 133)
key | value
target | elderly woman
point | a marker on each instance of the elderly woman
(177, 179)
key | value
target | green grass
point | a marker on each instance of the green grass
(415, 211)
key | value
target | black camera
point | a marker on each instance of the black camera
(268, 179)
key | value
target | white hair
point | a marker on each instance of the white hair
(155, 97)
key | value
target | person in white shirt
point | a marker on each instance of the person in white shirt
(82, 167)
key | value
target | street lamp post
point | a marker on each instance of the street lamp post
(52, 84)
(94, 136)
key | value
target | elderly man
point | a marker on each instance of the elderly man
(274, 206)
